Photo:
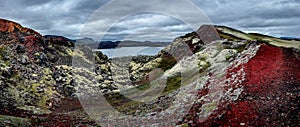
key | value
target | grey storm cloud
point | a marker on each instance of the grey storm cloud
(67, 18)
(272, 17)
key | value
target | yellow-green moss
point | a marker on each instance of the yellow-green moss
(2, 50)
(34, 87)
(14, 121)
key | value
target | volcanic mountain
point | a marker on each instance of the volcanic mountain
(228, 78)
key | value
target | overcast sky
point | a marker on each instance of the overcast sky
(68, 17)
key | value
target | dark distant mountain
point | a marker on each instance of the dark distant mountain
(290, 38)
(60, 40)
(86, 40)
(129, 43)
(90, 42)
(58, 37)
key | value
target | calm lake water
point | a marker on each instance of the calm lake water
(130, 51)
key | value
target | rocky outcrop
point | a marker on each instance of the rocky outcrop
(181, 47)
(36, 73)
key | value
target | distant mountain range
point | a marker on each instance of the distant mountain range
(110, 44)
(129, 43)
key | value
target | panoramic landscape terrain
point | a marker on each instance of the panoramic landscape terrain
(235, 79)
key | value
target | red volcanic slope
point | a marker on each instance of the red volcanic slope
(271, 92)
(30, 39)
(10, 26)
(272, 84)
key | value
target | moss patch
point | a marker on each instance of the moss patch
(14, 121)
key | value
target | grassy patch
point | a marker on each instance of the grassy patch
(121, 103)
(167, 63)
(173, 83)
(2, 51)
(229, 37)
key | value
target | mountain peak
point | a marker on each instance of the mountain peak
(208, 33)
(10, 26)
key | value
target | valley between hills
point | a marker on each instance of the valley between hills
(231, 78)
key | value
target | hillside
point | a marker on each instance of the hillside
(216, 76)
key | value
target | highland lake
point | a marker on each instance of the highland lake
(130, 51)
